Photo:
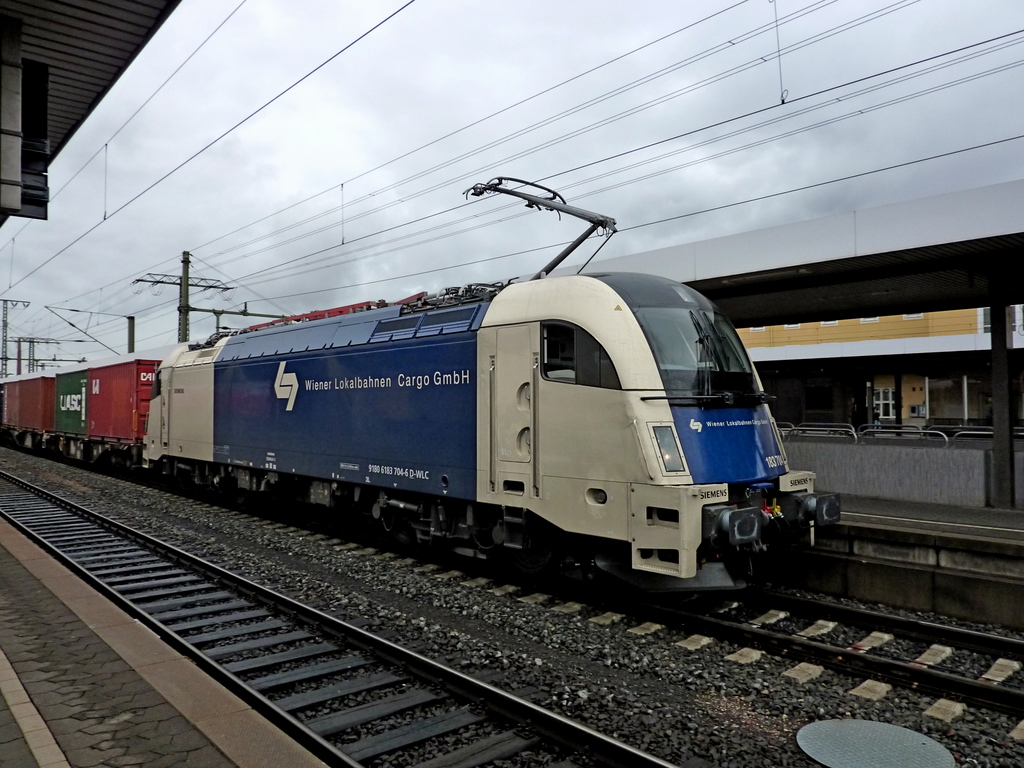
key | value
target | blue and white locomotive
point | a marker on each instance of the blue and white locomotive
(613, 418)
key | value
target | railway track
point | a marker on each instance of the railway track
(822, 634)
(347, 695)
(584, 628)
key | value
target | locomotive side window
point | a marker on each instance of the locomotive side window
(559, 353)
(573, 356)
(593, 366)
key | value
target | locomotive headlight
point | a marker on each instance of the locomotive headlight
(671, 459)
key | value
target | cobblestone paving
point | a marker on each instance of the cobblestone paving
(101, 712)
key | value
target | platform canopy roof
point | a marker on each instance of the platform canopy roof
(87, 45)
(937, 253)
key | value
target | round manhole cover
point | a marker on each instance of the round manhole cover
(867, 744)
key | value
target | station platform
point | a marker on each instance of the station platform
(85, 685)
(957, 561)
(982, 522)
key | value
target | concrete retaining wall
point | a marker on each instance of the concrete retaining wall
(977, 579)
(956, 476)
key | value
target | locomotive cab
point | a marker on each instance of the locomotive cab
(623, 408)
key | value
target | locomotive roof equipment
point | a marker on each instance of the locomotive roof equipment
(554, 202)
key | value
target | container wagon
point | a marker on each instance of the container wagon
(28, 410)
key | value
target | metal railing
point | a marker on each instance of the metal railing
(901, 431)
(823, 429)
(983, 433)
(885, 431)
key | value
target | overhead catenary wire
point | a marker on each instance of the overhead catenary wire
(689, 214)
(624, 229)
(277, 268)
(257, 294)
(471, 174)
(477, 122)
(786, 134)
(131, 117)
(736, 39)
(82, 331)
(693, 58)
(634, 181)
(105, 217)
(656, 222)
(815, 185)
(215, 141)
(428, 270)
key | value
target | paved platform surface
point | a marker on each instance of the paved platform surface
(984, 522)
(84, 685)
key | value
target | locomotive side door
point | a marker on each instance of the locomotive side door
(156, 424)
(165, 405)
(513, 371)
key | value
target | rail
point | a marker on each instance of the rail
(912, 675)
(292, 661)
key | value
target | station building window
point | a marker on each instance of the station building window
(1015, 319)
(573, 356)
(885, 403)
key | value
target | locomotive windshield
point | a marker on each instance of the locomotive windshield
(697, 351)
(699, 355)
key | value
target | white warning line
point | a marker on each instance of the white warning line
(37, 734)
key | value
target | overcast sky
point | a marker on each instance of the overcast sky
(349, 187)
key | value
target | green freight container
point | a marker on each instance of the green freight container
(69, 413)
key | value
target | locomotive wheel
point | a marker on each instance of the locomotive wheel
(540, 554)
(535, 560)
(186, 483)
(399, 528)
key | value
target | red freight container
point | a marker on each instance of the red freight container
(28, 404)
(118, 400)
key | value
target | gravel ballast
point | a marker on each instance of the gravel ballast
(691, 708)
